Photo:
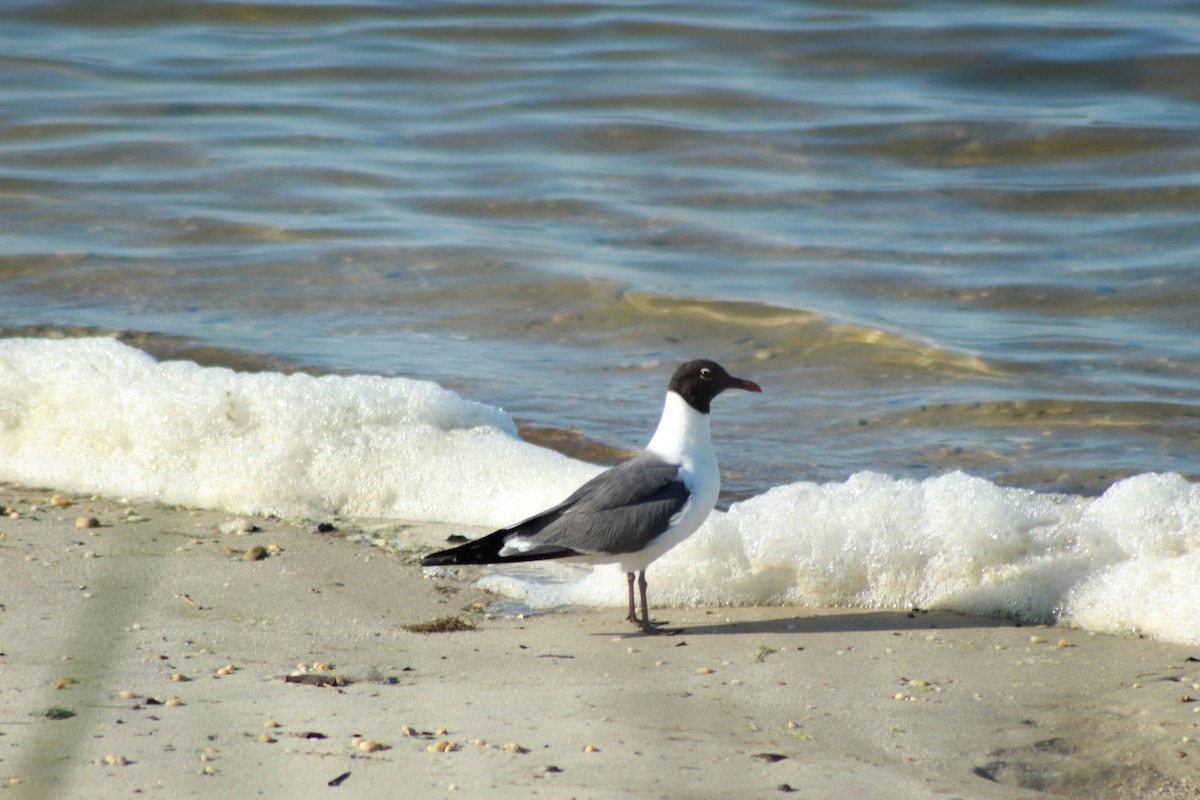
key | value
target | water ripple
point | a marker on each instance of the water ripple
(878, 207)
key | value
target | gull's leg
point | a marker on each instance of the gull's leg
(645, 605)
(632, 611)
(647, 625)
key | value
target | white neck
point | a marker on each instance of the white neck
(683, 433)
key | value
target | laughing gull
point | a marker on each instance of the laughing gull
(636, 511)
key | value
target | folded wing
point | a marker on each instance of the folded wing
(618, 511)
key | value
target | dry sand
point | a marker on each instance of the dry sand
(106, 626)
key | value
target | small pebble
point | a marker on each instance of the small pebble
(1064, 643)
(116, 761)
(174, 702)
(441, 746)
(441, 732)
(87, 522)
(369, 746)
(479, 742)
(591, 748)
(179, 677)
(408, 730)
(58, 501)
(270, 724)
(65, 683)
(705, 671)
(256, 553)
(513, 747)
(126, 694)
(267, 738)
(1036, 640)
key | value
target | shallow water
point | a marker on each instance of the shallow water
(943, 236)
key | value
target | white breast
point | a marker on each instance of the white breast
(682, 438)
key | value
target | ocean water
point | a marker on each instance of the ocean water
(955, 242)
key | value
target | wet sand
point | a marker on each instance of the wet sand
(149, 656)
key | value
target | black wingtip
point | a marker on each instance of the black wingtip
(485, 550)
(455, 556)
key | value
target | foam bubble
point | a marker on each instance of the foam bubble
(94, 415)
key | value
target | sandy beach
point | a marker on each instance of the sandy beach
(158, 655)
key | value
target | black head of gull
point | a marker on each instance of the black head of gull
(699, 381)
(636, 511)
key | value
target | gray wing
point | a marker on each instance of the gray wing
(619, 511)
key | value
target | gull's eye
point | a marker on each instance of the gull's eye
(706, 374)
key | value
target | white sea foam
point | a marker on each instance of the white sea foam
(1128, 561)
(94, 415)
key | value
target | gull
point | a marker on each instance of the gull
(634, 512)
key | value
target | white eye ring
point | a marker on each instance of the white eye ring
(706, 373)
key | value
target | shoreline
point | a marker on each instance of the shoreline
(167, 652)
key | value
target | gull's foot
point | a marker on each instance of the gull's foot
(653, 627)
(656, 628)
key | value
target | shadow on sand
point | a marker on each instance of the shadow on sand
(817, 621)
